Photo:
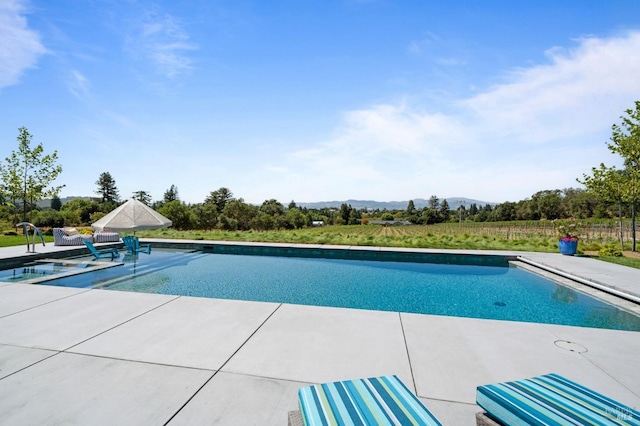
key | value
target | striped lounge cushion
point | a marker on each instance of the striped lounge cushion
(60, 238)
(552, 400)
(376, 401)
(106, 237)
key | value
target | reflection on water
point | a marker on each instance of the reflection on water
(564, 295)
(144, 283)
(610, 317)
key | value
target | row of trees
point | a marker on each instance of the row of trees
(621, 186)
(221, 210)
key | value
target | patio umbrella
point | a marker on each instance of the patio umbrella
(131, 216)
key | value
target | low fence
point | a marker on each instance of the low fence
(524, 230)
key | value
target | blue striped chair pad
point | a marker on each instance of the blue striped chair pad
(552, 400)
(375, 401)
(106, 237)
(62, 239)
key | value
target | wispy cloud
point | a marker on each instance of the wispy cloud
(561, 109)
(20, 47)
(162, 39)
(442, 52)
(575, 93)
(78, 84)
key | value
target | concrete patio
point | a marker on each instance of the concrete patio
(83, 356)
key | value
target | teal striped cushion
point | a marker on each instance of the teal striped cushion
(552, 400)
(376, 401)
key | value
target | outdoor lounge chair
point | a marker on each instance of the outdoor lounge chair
(106, 237)
(381, 400)
(549, 400)
(111, 253)
(69, 237)
(132, 243)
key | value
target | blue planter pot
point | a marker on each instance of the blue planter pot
(568, 248)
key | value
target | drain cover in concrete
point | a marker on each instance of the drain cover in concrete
(570, 346)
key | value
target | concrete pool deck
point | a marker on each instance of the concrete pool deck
(81, 356)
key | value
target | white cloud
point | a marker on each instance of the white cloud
(541, 129)
(164, 41)
(575, 94)
(78, 84)
(20, 47)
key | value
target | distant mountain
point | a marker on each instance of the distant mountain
(43, 204)
(454, 203)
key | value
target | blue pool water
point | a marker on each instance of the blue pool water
(491, 292)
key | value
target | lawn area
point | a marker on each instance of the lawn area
(20, 240)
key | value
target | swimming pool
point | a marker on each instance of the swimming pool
(498, 291)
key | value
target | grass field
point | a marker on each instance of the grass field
(526, 236)
(20, 240)
(521, 236)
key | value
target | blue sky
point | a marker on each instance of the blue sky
(320, 100)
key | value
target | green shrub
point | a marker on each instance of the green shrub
(610, 250)
(48, 218)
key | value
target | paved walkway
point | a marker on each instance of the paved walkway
(83, 356)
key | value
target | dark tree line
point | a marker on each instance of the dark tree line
(222, 210)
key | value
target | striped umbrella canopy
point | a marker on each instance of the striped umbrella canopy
(134, 216)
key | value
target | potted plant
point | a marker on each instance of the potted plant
(567, 230)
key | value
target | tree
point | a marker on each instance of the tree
(296, 218)
(263, 222)
(206, 215)
(348, 215)
(272, 207)
(462, 212)
(143, 197)
(180, 215)
(434, 202)
(28, 173)
(50, 218)
(547, 205)
(625, 141)
(240, 213)
(56, 203)
(607, 183)
(171, 194)
(622, 186)
(429, 216)
(79, 211)
(504, 212)
(411, 209)
(219, 198)
(581, 204)
(445, 212)
(107, 188)
(345, 209)
(387, 216)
